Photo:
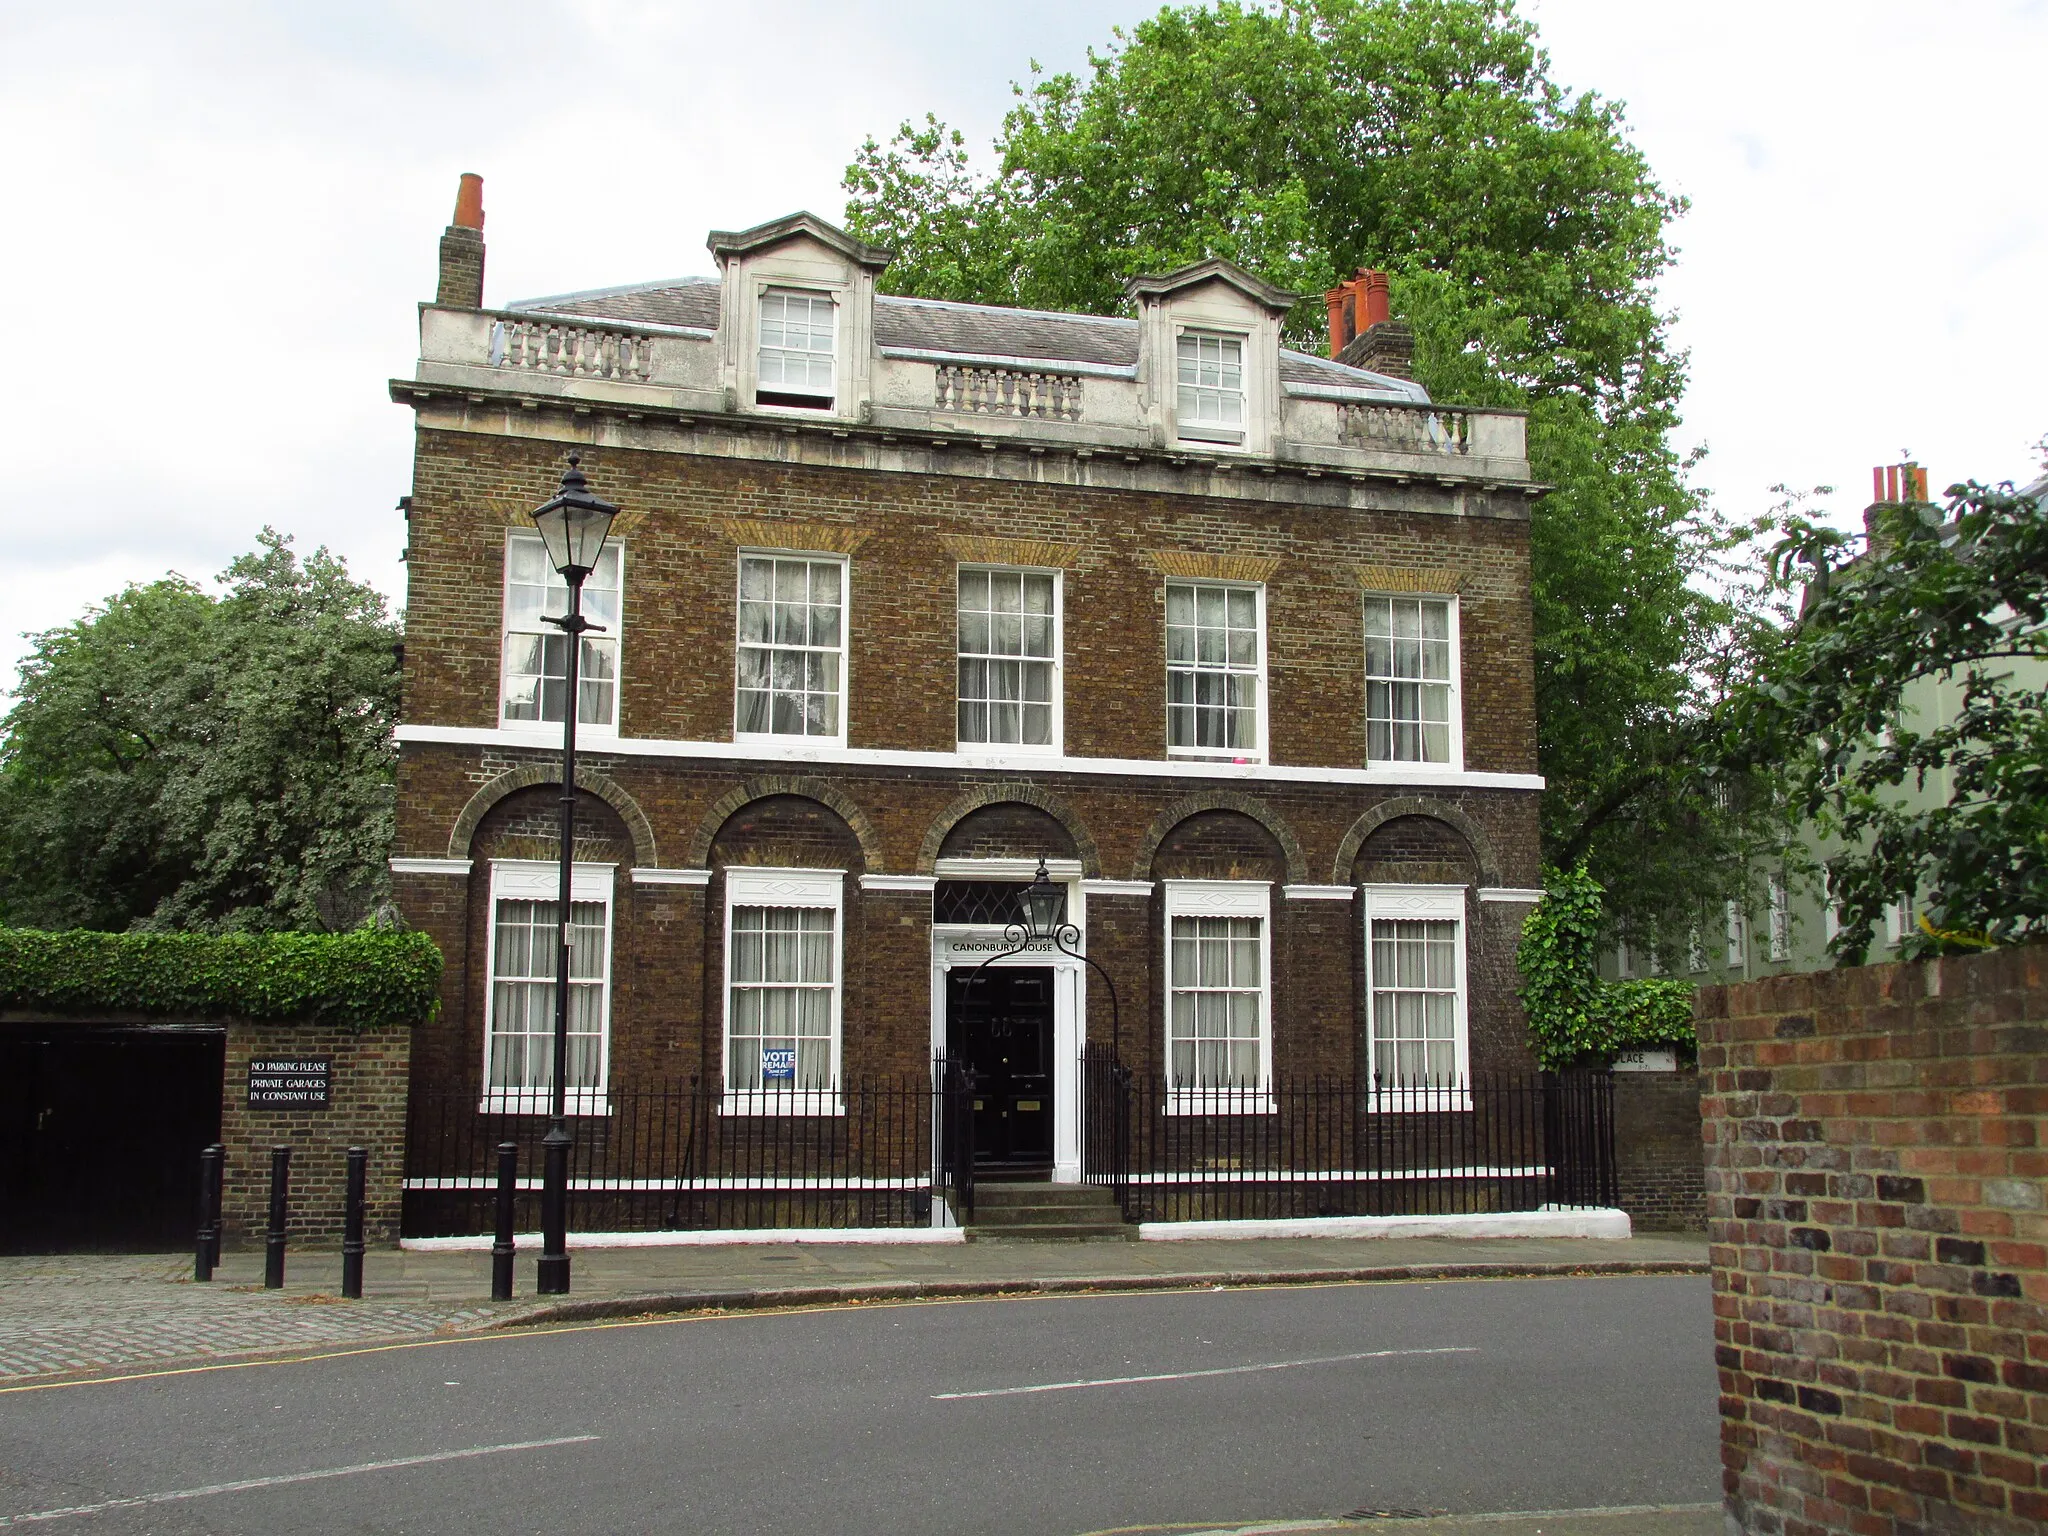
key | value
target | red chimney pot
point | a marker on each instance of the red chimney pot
(469, 202)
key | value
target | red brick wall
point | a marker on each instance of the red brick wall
(1875, 1191)
(367, 1100)
(1657, 1157)
(677, 662)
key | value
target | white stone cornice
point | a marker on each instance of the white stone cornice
(1509, 893)
(645, 875)
(430, 866)
(1116, 887)
(1033, 765)
(909, 883)
(1319, 892)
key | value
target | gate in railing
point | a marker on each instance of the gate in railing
(953, 1138)
(1340, 1146)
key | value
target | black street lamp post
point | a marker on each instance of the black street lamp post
(1041, 901)
(573, 526)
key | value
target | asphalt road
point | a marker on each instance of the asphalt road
(1039, 1417)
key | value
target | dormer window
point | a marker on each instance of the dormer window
(1211, 406)
(796, 366)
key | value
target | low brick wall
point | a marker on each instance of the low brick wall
(1875, 1197)
(366, 1109)
(1658, 1161)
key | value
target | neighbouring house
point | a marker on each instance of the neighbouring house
(908, 596)
(1788, 923)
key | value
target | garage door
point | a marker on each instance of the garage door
(101, 1130)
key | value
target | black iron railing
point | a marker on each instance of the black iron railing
(1340, 1146)
(685, 1155)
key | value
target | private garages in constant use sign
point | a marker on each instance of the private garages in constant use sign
(290, 1082)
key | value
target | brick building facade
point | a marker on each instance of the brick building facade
(907, 596)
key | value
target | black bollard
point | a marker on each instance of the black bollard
(273, 1241)
(206, 1251)
(352, 1225)
(502, 1247)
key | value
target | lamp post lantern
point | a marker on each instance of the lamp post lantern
(574, 526)
(1041, 900)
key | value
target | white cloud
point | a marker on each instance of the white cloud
(222, 216)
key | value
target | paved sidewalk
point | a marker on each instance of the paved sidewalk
(1641, 1520)
(103, 1312)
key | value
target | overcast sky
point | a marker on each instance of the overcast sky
(220, 218)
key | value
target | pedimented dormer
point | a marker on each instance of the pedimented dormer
(796, 326)
(1209, 356)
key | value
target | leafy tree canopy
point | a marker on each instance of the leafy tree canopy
(1906, 715)
(1524, 235)
(176, 760)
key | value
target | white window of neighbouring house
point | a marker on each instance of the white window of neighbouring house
(1411, 681)
(795, 365)
(1009, 658)
(792, 648)
(1210, 407)
(1415, 981)
(519, 1013)
(1215, 670)
(1219, 1050)
(782, 990)
(535, 681)
(1736, 922)
(1781, 919)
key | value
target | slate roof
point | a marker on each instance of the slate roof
(933, 325)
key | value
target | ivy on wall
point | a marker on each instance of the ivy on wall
(1575, 1017)
(365, 979)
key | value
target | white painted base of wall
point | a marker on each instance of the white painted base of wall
(529, 1242)
(1597, 1222)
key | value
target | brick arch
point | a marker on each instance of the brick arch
(985, 795)
(1221, 800)
(833, 799)
(1416, 805)
(600, 785)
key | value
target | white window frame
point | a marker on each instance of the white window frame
(1256, 753)
(764, 886)
(1736, 923)
(1213, 434)
(1780, 938)
(614, 635)
(541, 880)
(1898, 921)
(1222, 898)
(1455, 749)
(1423, 904)
(738, 645)
(1057, 746)
(764, 289)
(1695, 950)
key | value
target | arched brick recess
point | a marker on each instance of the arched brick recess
(1415, 805)
(598, 784)
(833, 799)
(996, 794)
(1220, 800)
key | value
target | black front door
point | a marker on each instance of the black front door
(999, 1030)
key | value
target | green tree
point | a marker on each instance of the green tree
(1524, 235)
(177, 760)
(1947, 807)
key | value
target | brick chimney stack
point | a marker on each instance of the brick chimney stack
(1363, 332)
(1891, 485)
(462, 248)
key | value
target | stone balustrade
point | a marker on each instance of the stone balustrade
(1007, 392)
(1405, 428)
(538, 345)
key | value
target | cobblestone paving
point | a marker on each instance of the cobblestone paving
(82, 1312)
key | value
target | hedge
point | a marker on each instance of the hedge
(1576, 1018)
(368, 979)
